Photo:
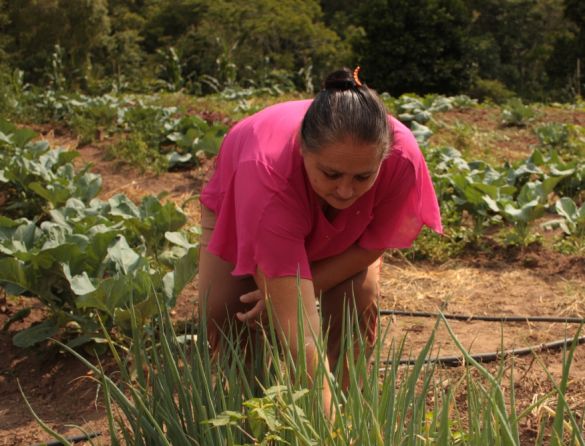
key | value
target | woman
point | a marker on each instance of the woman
(315, 189)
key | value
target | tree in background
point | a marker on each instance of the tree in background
(38, 27)
(415, 45)
(524, 47)
(122, 57)
(513, 40)
(4, 36)
(566, 66)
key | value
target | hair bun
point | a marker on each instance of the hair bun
(340, 80)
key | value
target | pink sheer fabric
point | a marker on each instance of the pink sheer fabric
(268, 216)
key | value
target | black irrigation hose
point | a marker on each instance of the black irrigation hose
(469, 318)
(73, 439)
(456, 361)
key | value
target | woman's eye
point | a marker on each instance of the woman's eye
(363, 178)
(332, 176)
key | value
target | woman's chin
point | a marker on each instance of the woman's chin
(340, 204)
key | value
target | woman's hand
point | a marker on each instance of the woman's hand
(256, 313)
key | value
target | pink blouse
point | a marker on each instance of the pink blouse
(268, 215)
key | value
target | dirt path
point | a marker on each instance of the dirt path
(63, 393)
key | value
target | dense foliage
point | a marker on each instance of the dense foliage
(92, 263)
(488, 49)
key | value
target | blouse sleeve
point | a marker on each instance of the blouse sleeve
(262, 224)
(405, 201)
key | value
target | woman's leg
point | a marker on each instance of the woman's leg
(357, 295)
(217, 287)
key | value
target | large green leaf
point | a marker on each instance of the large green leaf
(183, 273)
(567, 208)
(54, 194)
(35, 334)
(22, 136)
(124, 257)
(80, 284)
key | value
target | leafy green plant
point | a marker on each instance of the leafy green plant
(134, 151)
(573, 225)
(573, 222)
(194, 138)
(94, 262)
(93, 118)
(529, 205)
(516, 114)
(170, 390)
(553, 136)
(35, 178)
(82, 257)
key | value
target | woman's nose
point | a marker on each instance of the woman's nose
(345, 190)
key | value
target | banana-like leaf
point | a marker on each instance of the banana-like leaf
(35, 334)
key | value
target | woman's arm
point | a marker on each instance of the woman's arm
(331, 271)
(327, 273)
(282, 293)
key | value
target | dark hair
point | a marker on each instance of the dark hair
(345, 108)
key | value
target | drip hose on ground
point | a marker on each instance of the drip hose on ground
(469, 318)
(456, 361)
(73, 439)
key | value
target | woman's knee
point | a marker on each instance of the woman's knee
(366, 286)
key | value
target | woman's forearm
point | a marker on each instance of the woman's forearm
(282, 294)
(331, 271)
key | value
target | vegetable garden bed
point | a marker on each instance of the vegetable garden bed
(484, 279)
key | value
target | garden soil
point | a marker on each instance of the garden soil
(532, 282)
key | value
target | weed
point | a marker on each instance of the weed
(517, 114)
(134, 151)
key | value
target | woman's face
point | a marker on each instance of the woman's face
(342, 172)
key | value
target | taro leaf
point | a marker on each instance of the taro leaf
(549, 183)
(179, 239)
(210, 142)
(54, 194)
(421, 132)
(530, 192)
(175, 136)
(35, 334)
(124, 257)
(88, 186)
(56, 234)
(112, 293)
(5, 133)
(567, 208)
(100, 297)
(167, 217)
(80, 284)
(21, 136)
(492, 204)
(422, 117)
(176, 158)
(26, 234)
(490, 190)
(122, 206)
(145, 309)
(65, 156)
(175, 281)
(526, 213)
(190, 139)
(14, 272)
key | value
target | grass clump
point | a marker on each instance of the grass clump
(171, 391)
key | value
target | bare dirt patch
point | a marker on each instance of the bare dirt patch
(479, 132)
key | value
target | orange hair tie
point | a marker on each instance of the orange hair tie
(356, 79)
